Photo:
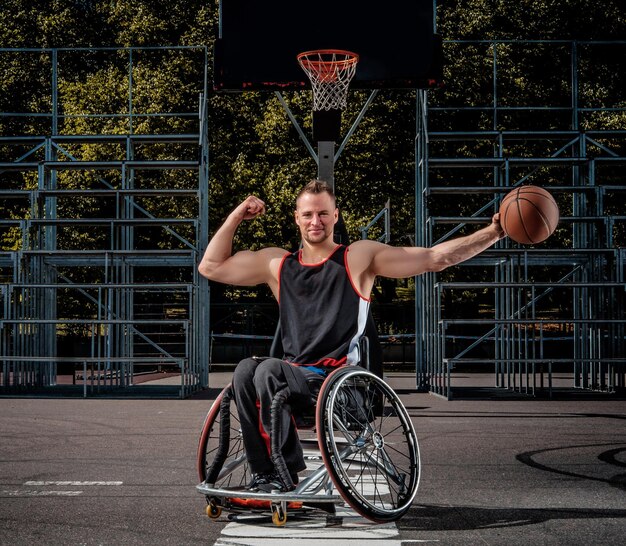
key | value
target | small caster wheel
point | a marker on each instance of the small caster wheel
(279, 516)
(213, 510)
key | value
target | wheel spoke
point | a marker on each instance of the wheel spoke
(380, 474)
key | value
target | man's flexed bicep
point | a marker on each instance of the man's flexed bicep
(244, 268)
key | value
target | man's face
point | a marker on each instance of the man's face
(316, 216)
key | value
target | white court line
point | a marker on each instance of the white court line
(32, 493)
(345, 528)
(52, 492)
(306, 542)
(70, 483)
(353, 530)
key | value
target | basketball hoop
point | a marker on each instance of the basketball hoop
(330, 72)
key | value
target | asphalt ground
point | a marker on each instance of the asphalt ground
(495, 470)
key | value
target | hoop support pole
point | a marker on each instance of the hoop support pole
(357, 122)
(326, 162)
(295, 123)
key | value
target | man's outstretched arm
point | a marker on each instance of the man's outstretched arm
(402, 262)
(244, 268)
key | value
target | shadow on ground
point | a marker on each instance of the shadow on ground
(463, 518)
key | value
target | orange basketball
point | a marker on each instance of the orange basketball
(529, 214)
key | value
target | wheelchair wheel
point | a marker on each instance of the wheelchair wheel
(368, 444)
(231, 469)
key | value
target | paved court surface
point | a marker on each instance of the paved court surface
(501, 471)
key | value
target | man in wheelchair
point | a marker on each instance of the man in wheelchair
(323, 292)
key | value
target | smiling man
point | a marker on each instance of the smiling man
(323, 292)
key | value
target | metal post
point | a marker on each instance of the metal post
(202, 296)
(326, 162)
(55, 93)
(422, 286)
(130, 91)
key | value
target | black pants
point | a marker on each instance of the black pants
(260, 380)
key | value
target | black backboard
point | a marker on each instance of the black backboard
(259, 40)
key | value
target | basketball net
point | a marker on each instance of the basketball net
(330, 72)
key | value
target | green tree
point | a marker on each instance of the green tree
(253, 146)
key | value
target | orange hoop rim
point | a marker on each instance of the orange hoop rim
(330, 72)
(322, 66)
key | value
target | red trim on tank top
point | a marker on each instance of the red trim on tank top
(280, 269)
(318, 263)
(345, 259)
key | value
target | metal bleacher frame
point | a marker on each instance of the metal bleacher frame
(515, 333)
(517, 336)
(132, 325)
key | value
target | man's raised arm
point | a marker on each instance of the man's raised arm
(244, 268)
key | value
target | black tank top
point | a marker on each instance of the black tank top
(322, 316)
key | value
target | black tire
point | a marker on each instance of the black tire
(368, 444)
(233, 472)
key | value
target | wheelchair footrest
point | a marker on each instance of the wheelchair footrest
(290, 496)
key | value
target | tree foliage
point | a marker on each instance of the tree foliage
(253, 146)
(531, 20)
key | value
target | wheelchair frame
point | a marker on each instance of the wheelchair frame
(366, 442)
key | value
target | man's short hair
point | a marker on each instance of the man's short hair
(315, 187)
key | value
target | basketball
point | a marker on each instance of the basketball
(529, 214)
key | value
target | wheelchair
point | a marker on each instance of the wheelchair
(358, 441)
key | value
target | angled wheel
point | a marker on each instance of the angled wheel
(279, 515)
(368, 444)
(221, 459)
(213, 510)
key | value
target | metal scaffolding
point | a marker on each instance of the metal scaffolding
(101, 281)
(522, 312)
